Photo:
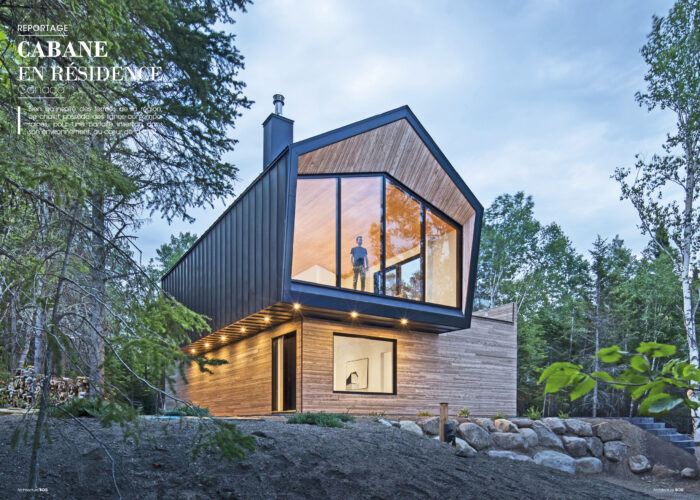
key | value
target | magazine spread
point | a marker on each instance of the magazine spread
(349, 250)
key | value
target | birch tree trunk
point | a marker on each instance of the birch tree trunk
(96, 332)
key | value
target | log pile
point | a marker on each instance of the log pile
(23, 389)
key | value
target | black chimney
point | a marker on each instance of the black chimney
(277, 132)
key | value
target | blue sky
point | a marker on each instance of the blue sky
(535, 96)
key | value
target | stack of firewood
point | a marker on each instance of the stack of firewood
(24, 388)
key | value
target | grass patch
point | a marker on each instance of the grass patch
(425, 413)
(322, 419)
(186, 411)
(464, 413)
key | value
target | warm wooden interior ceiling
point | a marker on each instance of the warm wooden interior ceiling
(397, 149)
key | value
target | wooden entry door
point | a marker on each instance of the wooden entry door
(284, 372)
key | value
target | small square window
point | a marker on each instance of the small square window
(364, 364)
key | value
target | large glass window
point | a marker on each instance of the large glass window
(369, 234)
(360, 233)
(403, 237)
(362, 364)
(440, 260)
(313, 254)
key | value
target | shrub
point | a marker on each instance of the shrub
(425, 413)
(533, 413)
(322, 419)
(186, 411)
(82, 407)
(498, 415)
(563, 414)
(464, 413)
(377, 414)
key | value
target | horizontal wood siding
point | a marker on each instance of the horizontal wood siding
(243, 386)
(474, 369)
(234, 269)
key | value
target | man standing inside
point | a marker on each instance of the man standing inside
(358, 259)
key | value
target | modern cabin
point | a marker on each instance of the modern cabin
(342, 279)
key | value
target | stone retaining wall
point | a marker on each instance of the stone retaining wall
(569, 445)
(23, 388)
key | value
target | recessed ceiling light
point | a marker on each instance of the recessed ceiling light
(404, 321)
(206, 344)
(267, 319)
(223, 339)
(353, 314)
(297, 305)
(192, 351)
(243, 328)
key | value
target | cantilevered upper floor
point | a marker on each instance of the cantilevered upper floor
(368, 223)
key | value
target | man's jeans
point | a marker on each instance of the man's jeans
(358, 271)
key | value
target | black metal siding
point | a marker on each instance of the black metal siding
(234, 269)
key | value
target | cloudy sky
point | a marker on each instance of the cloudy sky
(535, 96)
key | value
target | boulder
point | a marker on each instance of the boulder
(576, 446)
(615, 450)
(411, 426)
(606, 432)
(430, 425)
(487, 424)
(507, 440)
(595, 446)
(556, 460)
(511, 455)
(556, 425)
(474, 434)
(588, 465)
(521, 422)
(395, 423)
(662, 471)
(578, 427)
(503, 425)
(638, 464)
(383, 421)
(530, 437)
(463, 449)
(545, 436)
(689, 473)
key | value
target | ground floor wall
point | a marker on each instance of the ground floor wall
(474, 369)
(242, 386)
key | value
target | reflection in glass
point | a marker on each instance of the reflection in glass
(440, 260)
(313, 254)
(363, 365)
(360, 239)
(403, 273)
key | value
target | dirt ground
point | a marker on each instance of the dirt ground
(363, 460)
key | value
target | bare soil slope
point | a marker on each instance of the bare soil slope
(364, 460)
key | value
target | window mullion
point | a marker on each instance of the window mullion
(422, 251)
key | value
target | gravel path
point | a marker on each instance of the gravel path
(363, 460)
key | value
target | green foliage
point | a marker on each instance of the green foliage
(187, 411)
(425, 413)
(83, 407)
(464, 413)
(321, 419)
(533, 413)
(226, 441)
(643, 377)
(499, 414)
(563, 414)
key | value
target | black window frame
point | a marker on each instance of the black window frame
(367, 337)
(424, 204)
